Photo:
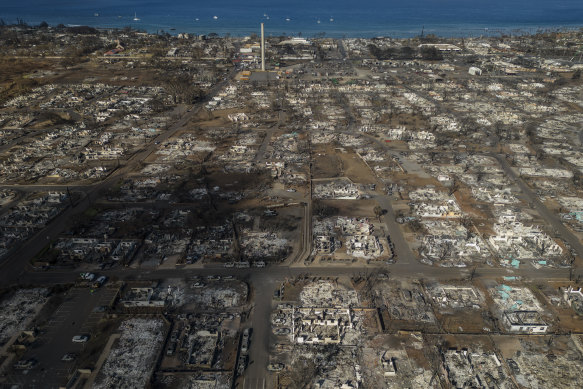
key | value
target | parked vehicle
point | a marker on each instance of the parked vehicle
(87, 276)
(69, 357)
(26, 364)
(80, 338)
(100, 281)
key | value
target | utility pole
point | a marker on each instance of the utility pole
(262, 48)
(69, 196)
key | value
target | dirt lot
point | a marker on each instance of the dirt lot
(469, 205)
(206, 118)
(407, 120)
(326, 166)
(330, 162)
(456, 322)
(356, 169)
(414, 181)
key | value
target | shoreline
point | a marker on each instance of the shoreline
(445, 31)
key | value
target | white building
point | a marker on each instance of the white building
(525, 321)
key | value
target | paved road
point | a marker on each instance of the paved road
(305, 246)
(400, 269)
(403, 251)
(259, 157)
(256, 374)
(46, 188)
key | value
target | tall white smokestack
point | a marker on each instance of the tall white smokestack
(262, 49)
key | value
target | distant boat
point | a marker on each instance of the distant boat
(215, 17)
(197, 19)
(331, 19)
(287, 19)
(136, 19)
(318, 21)
(95, 14)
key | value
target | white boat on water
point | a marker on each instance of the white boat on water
(215, 17)
(136, 18)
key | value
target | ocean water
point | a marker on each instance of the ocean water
(335, 18)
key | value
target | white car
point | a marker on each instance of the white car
(88, 276)
(80, 338)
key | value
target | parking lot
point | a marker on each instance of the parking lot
(78, 314)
